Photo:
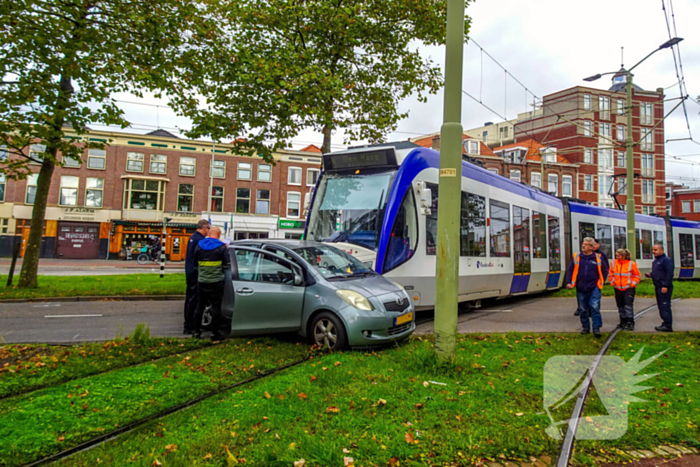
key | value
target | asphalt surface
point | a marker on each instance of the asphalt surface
(72, 322)
(92, 267)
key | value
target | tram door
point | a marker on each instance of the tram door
(554, 237)
(521, 250)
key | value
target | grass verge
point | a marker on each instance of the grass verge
(78, 286)
(26, 367)
(50, 420)
(681, 289)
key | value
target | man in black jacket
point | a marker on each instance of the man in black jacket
(662, 275)
(211, 260)
(191, 275)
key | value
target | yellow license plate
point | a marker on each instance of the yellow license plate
(408, 317)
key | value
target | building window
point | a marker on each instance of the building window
(93, 192)
(622, 186)
(515, 175)
(587, 128)
(605, 130)
(604, 107)
(472, 147)
(685, 206)
(293, 204)
(621, 133)
(549, 154)
(243, 200)
(586, 102)
(647, 143)
(503, 131)
(2, 187)
(31, 188)
(588, 156)
(696, 206)
(647, 165)
(621, 107)
(158, 163)
(96, 159)
(262, 203)
(605, 158)
(218, 169)
(588, 182)
(621, 159)
(604, 185)
(3, 153)
(217, 199)
(185, 197)
(536, 179)
(312, 176)
(36, 153)
(144, 194)
(70, 162)
(646, 113)
(134, 162)
(648, 191)
(69, 190)
(294, 176)
(648, 210)
(187, 166)
(493, 171)
(264, 172)
(566, 185)
(553, 184)
(6, 226)
(245, 171)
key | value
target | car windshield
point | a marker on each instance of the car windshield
(350, 208)
(333, 263)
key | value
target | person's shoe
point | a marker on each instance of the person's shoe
(577, 312)
(596, 333)
(217, 337)
(188, 331)
(621, 325)
(585, 331)
(629, 326)
(197, 334)
(664, 328)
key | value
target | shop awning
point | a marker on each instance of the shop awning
(153, 224)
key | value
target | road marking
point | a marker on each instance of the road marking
(494, 311)
(72, 316)
(46, 305)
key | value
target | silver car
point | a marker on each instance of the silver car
(314, 289)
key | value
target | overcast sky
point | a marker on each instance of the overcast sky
(548, 45)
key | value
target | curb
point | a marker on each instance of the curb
(95, 298)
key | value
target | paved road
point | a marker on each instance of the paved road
(91, 267)
(68, 322)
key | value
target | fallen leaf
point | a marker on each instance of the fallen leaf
(419, 406)
(233, 434)
(345, 451)
(303, 396)
(156, 462)
(332, 409)
(348, 462)
(426, 384)
(170, 448)
(589, 419)
(381, 402)
(280, 396)
(394, 462)
(409, 437)
(300, 463)
(208, 456)
(679, 385)
(519, 414)
(267, 395)
(230, 460)
(60, 439)
(338, 363)
(313, 378)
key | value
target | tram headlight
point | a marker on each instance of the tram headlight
(355, 299)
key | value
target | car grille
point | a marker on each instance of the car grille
(393, 306)
(400, 328)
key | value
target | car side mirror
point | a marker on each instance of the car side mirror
(298, 280)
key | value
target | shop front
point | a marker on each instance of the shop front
(291, 229)
(129, 237)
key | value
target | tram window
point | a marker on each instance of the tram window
(620, 234)
(521, 239)
(686, 249)
(404, 234)
(473, 226)
(646, 244)
(605, 239)
(539, 235)
(697, 247)
(639, 244)
(500, 229)
(553, 232)
(585, 229)
(431, 221)
(659, 237)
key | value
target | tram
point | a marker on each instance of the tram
(380, 204)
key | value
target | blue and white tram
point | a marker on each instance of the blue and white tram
(685, 237)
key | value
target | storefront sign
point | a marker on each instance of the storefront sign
(78, 214)
(285, 224)
(178, 216)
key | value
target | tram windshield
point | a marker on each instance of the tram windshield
(350, 208)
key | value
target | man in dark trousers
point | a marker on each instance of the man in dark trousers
(662, 275)
(586, 273)
(211, 260)
(191, 275)
(606, 264)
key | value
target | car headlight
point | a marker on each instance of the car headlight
(355, 299)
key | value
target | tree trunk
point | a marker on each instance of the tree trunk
(326, 140)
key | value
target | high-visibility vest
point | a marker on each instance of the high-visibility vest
(600, 269)
(624, 274)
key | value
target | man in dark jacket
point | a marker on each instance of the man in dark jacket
(662, 275)
(211, 260)
(586, 273)
(606, 265)
(191, 275)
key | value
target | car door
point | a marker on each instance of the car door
(266, 298)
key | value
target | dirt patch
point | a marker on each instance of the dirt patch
(17, 354)
(684, 461)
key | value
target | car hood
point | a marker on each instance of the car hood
(371, 286)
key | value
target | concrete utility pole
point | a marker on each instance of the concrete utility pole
(449, 197)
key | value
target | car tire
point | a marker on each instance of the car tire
(327, 330)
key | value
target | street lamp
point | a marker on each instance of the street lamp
(629, 143)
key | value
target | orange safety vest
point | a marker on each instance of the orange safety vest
(624, 274)
(600, 270)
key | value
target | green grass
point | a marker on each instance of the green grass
(77, 286)
(50, 420)
(681, 289)
(25, 367)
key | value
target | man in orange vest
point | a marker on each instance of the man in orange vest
(624, 277)
(587, 274)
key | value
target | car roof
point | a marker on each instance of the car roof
(288, 243)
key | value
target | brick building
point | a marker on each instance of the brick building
(685, 202)
(116, 199)
(588, 127)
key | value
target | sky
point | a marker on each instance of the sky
(547, 45)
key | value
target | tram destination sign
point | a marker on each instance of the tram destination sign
(372, 158)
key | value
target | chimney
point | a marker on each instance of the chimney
(436, 142)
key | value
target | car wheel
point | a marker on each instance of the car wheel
(327, 330)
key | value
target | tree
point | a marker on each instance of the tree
(60, 62)
(284, 65)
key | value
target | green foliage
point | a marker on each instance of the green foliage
(274, 67)
(681, 289)
(141, 335)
